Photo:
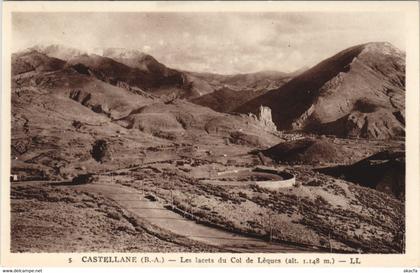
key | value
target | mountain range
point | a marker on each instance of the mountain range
(359, 92)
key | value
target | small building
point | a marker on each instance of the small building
(14, 177)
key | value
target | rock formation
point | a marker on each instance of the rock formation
(263, 116)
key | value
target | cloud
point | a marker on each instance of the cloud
(214, 42)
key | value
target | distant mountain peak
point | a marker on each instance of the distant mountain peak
(58, 51)
(382, 47)
(124, 53)
(358, 92)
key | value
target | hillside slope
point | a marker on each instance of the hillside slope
(34, 61)
(58, 116)
(155, 77)
(357, 92)
(146, 74)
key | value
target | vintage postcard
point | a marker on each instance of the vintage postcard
(210, 134)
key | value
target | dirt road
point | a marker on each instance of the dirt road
(155, 212)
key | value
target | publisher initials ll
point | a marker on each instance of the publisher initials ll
(354, 261)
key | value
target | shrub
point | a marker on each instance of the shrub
(100, 151)
(83, 178)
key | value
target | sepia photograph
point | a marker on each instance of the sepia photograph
(208, 132)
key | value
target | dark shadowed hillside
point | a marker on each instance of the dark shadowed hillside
(384, 171)
(226, 99)
(358, 92)
(256, 81)
(307, 151)
(231, 91)
(154, 76)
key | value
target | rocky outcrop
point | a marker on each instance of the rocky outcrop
(263, 117)
(378, 125)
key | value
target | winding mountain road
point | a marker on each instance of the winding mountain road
(156, 213)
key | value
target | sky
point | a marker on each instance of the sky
(225, 43)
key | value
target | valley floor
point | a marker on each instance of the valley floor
(144, 208)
